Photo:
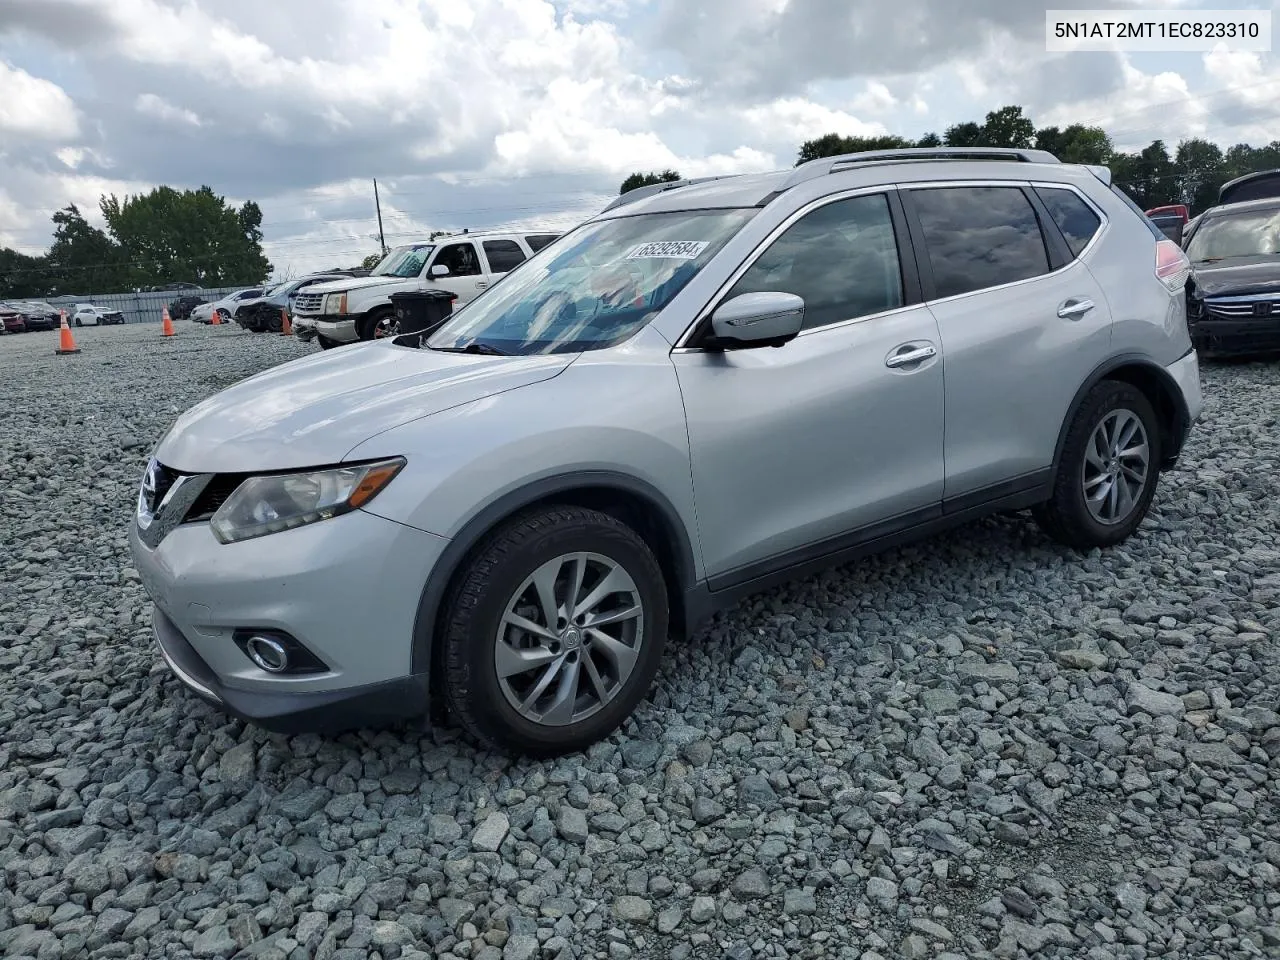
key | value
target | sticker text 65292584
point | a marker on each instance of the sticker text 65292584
(668, 249)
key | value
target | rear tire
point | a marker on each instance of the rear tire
(522, 668)
(1108, 472)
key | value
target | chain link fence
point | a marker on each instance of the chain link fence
(142, 307)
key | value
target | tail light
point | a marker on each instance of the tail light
(1172, 266)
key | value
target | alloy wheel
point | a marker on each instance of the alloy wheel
(1117, 467)
(569, 639)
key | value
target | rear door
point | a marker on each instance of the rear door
(501, 257)
(1022, 320)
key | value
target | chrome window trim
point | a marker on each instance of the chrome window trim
(1263, 297)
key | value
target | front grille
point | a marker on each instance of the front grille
(214, 495)
(308, 302)
(164, 478)
(1243, 308)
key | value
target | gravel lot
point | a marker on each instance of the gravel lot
(983, 746)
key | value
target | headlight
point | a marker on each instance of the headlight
(335, 303)
(262, 505)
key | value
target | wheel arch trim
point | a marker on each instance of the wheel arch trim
(473, 531)
(1181, 416)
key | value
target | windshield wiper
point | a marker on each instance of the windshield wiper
(474, 347)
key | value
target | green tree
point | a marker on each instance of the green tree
(1007, 127)
(82, 258)
(22, 275)
(834, 145)
(371, 261)
(638, 180)
(1076, 144)
(929, 140)
(193, 235)
(1200, 173)
(967, 134)
(1149, 176)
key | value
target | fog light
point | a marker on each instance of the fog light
(267, 653)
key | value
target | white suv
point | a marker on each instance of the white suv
(344, 311)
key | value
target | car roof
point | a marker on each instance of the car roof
(867, 168)
(1244, 206)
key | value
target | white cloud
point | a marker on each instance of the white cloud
(877, 98)
(153, 105)
(794, 119)
(34, 107)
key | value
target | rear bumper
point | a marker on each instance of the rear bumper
(1185, 372)
(328, 711)
(1236, 337)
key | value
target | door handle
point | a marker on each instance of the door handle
(1075, 309)
(481, 284)
(909, 355)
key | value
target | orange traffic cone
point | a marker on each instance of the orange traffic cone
(166, 324)
(66, 342)
(286, 328)
(216, 318)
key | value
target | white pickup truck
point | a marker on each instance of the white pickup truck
(344, 311)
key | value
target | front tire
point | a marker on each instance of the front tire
(326, 343)
(554, 632)
(1108, 472)
(375, 325)
(79, 323)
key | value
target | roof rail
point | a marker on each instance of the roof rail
(639, 193)
(826, 165)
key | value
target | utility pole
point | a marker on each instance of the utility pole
(382, 241)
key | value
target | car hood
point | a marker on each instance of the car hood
(313, 411)
(1238, 275)
(355, 283)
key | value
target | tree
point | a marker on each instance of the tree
(834, 145)
(964, 135)
(1007, 127)
(1149, 177)
(371, 261)
(83, 258)
(170, 236)
(1198, 165)
(637, 180)
(929, 140)
(22, 276)
(1076, 144)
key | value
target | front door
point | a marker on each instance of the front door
(466, 277)
(835, 436)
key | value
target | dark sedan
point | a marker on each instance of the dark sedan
(1233, 297)
(264, 314)
(38, 315)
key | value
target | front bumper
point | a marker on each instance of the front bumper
(1235, 337)
(304, 328)
(342, 329)
(346, 589)
(286, 712)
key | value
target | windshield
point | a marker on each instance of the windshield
(403, 262)
(593, 288)
(1253, 233)
(279, 288)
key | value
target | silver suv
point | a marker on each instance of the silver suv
(709, 387)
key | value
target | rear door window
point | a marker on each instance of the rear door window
(503, 255)
(537, 241)
(979, 237)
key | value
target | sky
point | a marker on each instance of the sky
(528, 113)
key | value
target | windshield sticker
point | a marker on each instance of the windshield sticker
(668, 249)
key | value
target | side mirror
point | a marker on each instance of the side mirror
(439, 270)
(770, 318)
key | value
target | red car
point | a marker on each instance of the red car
(11, 319)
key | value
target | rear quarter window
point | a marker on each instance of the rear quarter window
(1129, 202)
(1074, 217)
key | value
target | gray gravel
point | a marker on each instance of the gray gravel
(983, 746)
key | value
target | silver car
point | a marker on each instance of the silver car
(708, 388)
